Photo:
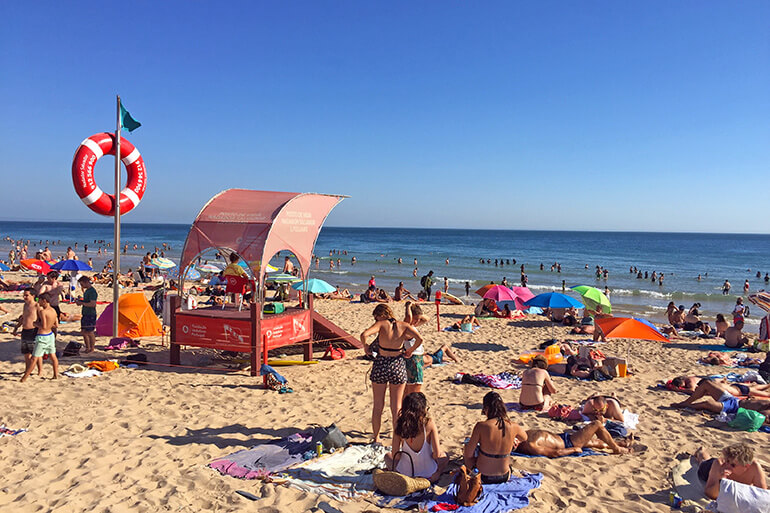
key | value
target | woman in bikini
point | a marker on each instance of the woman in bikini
(494, 439)
(416, 447)
(389, 367)
(536, 386)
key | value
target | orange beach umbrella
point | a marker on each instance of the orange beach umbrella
(34, 264)
(483, 290)
(626, 327)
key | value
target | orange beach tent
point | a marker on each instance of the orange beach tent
(135, 320)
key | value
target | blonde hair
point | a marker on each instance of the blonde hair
(740, 454)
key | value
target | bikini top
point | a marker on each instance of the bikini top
(398, 349)
(496, 456)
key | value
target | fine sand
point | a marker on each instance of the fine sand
(140, 440)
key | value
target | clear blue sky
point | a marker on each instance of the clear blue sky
(556, 115)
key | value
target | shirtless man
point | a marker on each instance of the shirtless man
(734, 335)
(685, 383)
(536, 386)
(718, 396)
(288, 267)
(598, 407)
(737, 463)
(28, 329)
(54, 289)
(438, 356)
(591, 436)
(45, 340)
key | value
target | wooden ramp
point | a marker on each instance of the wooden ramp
(323, 328)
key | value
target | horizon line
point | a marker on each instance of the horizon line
(418, 228)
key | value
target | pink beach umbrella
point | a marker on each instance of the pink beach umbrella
(523, 294)
(500, 293)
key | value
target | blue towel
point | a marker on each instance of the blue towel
(720, 348)
(266, 369)
(586, 452)
(495, 497)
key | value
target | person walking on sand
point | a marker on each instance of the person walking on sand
(427, 282)
(45, 340)
(88, 312)
(28, 329)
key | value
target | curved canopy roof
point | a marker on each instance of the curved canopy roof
(258, 224)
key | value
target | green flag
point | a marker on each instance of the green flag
(126, 121)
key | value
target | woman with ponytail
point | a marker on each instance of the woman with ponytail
(416, 442)
(492, 441)
(389, 367)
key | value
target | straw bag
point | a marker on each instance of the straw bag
(468, 487)
(390, 482)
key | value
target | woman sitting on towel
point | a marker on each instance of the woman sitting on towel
(415, 442)
(492, 441)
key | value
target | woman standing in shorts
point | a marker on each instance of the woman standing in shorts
(389, 367)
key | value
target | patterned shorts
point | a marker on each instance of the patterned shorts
(414, 367)
(389, 370)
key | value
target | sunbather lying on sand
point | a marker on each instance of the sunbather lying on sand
(466, 324)
(716, 358)
(685, 383)
(718, 396)
(599, 406)
(438, 357)
(591, 436)
(736, 463)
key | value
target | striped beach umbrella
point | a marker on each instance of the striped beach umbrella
(163, 263)
(209, 268)
(761, 299)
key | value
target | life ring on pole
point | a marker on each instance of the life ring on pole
(91, 150)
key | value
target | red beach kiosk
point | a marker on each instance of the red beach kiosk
(255, 225)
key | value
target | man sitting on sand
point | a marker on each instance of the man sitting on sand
(734, 335)
(592, 436)
(536, 386)
(401, 293)
(718, 396)
(736, 464)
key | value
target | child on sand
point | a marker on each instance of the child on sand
(45, 340)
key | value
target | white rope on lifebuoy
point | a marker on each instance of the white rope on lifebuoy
(91, 150)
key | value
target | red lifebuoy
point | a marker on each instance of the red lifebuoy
(91, 150)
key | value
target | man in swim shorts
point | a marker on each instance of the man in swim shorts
(45, 340)
(28, 329)
(88, 311)
(592, 436)
(438, 357)
(718, 396)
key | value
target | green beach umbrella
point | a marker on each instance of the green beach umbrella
(594, 297)
(281, 278)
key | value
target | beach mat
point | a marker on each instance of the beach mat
(687, 484)
(586, 452)
(721, 348)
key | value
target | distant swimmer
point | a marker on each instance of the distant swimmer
(726, 287)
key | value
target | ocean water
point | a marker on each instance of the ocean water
(681, 257)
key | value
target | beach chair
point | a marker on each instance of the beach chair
(236, 285)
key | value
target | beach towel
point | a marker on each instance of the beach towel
(269, 457)
(502, 381)
(735, 497)
(88, 373)
(343, 475)
(586, 452)
(452, 328)
(6, 431)
(496, 497)
(103, 365)
(721, 348)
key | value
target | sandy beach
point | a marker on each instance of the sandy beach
(140, 440)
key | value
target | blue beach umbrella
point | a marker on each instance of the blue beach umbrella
(71, 265)
(192, 274)
(648, 323)
(4, 267)
(554, 300)
(315, 286)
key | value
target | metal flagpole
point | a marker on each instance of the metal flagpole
(116, 242)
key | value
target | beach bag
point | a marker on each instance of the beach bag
(390, 482)
(747, 420)
(72, 349)
(332, 438)
(468, 487)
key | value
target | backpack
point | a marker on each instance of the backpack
(333, 353)
(423, 280)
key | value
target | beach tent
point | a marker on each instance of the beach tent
(136, 318)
